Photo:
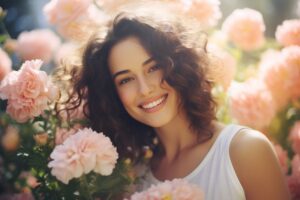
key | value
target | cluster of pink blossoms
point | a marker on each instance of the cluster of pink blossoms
(177, 189)
(245, 28)
(82, 153)
(28, 91)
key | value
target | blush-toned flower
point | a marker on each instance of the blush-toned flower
(273, 73)
(294, 136)
(28, 91)
(223, 68)
(64, 52)
(245, 28)
(293, 180)
(5, 64)
(291, 60)
(37, 44)
(288, 33)
(175, 189)
(282, 158)
(82, 153)
(65, 11)
(62, 134)
(11, 139)
(251, 103)
(41, 138)
(207, 12)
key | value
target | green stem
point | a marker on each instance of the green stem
(2, 27)
(85, 188)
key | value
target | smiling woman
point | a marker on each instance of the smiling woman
(148, 78)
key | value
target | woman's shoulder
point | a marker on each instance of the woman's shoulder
(256, 165)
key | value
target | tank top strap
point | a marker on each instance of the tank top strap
(228, 134)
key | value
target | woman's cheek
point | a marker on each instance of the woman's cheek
(127, 95)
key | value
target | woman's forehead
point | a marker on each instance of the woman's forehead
(127, 53)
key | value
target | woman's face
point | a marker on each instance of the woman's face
(138, 79)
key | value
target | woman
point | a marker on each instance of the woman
(148, 79)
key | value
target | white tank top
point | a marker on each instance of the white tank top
(215, 174)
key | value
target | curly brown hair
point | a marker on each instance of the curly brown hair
(185, 68)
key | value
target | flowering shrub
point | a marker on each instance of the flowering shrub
(257, 81)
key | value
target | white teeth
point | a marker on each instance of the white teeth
(153, 104)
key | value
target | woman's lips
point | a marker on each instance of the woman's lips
(154, 105)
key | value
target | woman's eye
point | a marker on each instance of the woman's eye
(124, 81)
(154, 68)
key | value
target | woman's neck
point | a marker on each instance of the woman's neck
(176, 137)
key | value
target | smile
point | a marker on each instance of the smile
(154, 106)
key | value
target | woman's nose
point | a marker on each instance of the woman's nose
(145, 86)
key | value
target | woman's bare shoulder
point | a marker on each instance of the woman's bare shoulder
(256, 165)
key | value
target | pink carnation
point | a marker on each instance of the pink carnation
(294, 179)
(294, 136)
(291, 59)
(288, 33)
(28, 91)
(282, 158)
(251, 103)
(37, 44)
(65, 11)
(5, 64)
(273, 73)
(245, 28)
(82, 153)
(207, 12)
(63, 133)
(74, 19)
(175, 189)
(224, 67)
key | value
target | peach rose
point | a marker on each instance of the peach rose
(245, 28)
(294, 136)
(37, 44)
(251, 103)
(288, 33)
(82, 153)
(5, 64)
(11, 139)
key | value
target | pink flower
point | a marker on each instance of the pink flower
(245, 28)
(74, 19)
(28, 91)
(224, 67)
(65, 51)
(37, 44)
(207, 12)
(251, 103)
(175, 189)
(273, 73)
(288, 33)
(291, 59)
(294, 136)
(282, 158)
(294, 179)
(11, 139)
(63, 133)
(65, 11)
(5, 64)
(82, 153)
